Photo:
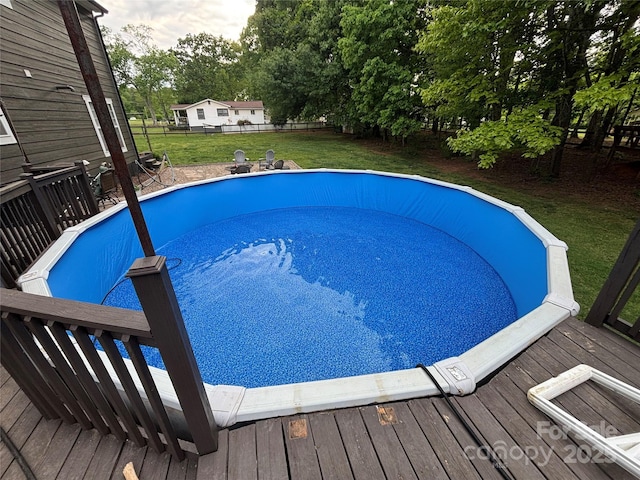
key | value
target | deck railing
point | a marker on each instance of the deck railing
(36, 210)
(618, 289)
(50, 348)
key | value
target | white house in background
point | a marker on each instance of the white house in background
(212, 113)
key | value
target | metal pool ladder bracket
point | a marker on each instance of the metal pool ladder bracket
(622, 449)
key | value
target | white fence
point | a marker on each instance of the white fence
(266, 127)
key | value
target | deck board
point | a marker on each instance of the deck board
(243, 462)
(19, 434)
(507, 432)
(301, 449)
(611, 340)
(272, 462)
(11, 413)
(130, 453)
(362, 456)
(214, 465)
(507, 392)
(36, 443)
(446, 446)
(594, 354)
(186, 469)
(569, 400)
(393, 458)
(416, 445)
(598, 398)
(482, 465)
(414, 439)
(102, 465)
(4, 377)
(53, 457)
(79, 458)
(9, 389)
(156, 466)
(332, 455)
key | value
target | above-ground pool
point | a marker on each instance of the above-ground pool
(312, 293)
(312, 276)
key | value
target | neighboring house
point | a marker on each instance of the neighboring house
(212, 113)
(47, 116)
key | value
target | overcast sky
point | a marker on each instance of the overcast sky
(173, 19)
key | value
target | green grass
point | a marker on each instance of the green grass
(307, 149)
(595, 233)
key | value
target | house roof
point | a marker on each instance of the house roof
(231, 104)
(252, 104)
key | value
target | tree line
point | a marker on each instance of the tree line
(505, 73)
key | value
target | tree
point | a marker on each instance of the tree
(478, 55)
(282, 83)
(524, 128)
(138, 63)
(281, 24)
(494, 63)
(292, 51)
(329, 94)
(615, 63)
(205, 68)
(377, 49)
(569, 29)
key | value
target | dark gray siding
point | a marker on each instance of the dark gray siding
(52, 126)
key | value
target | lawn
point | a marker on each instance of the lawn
(595, 231)
(307, 149)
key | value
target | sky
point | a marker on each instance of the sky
(173, 19)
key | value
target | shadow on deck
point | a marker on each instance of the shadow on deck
(420, 438)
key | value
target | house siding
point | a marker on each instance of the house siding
(243, 114)
(53, 127)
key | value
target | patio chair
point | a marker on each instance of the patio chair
(279, 165)
(267, 162)
(238, 157)
(105, 187)
(242, 168)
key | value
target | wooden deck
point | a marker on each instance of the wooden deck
(420, 438)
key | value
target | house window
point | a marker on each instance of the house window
(6, 135)
(200, 113)
(96, 124)
(253, 112)
(236, 112)
(223, 112)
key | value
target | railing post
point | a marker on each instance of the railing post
(618, 277)
(151, 281)
(45, 212)
(85, 185)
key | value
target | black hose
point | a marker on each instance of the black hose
(127, 278)
(113, 288)
(26, 469)
(495, 460)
